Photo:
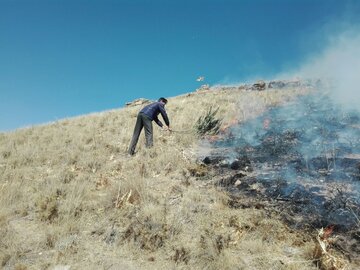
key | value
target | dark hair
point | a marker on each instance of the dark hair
(163, 100)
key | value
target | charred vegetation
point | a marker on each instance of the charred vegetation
(302, 161)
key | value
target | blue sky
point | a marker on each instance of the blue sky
(62, 58)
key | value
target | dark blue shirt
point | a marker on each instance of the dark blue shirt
(152, 111)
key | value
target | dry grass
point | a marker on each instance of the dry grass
(70, 197)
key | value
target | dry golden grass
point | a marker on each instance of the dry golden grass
(70, 196)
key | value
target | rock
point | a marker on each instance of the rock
(139, 101)
(241, 163)
(236, 165)
(259, 85)
(276, 84)
(215, 160)
(207, 160)
(204, 87)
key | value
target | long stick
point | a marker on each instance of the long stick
(183, 131)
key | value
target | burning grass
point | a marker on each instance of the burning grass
(70, 197)
(299, 159)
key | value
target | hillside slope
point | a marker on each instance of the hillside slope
(71, 197)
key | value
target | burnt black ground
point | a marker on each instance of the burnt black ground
(302, 160)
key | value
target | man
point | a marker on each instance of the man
(144, 119)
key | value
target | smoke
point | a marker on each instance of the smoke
(311, 145)
(306, 149)
(339, 66)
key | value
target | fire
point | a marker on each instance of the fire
(328, 231)
(233, 122)
(327, 258)
(224, 131)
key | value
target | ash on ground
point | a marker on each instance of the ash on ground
(302, 160)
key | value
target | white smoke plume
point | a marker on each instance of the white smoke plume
(339, 65)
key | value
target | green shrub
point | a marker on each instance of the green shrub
(208, 123)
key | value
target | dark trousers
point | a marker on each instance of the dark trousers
(142, 121)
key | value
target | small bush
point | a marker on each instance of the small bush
(48, 208)
(6, 154)
(208, 124)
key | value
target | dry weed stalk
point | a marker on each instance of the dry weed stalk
(129, 197)
(323, 254)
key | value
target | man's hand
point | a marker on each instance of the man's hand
(166, 128)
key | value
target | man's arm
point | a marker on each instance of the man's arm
(157, 121)
(164, 115)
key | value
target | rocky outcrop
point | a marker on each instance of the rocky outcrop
(276, 84)
(259, 85)
(262, 85)
(204, 87)
(139, 101)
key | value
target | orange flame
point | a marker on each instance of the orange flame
(328, 231)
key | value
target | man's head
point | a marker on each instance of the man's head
(163, 100)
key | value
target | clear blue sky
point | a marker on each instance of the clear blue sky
(63, 58)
